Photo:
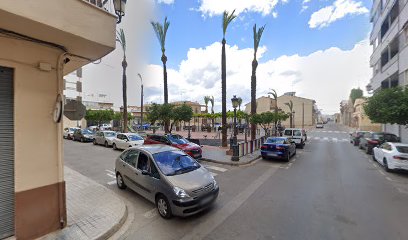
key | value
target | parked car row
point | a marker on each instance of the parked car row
(385, 148)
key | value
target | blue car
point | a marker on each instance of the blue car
(278, 147)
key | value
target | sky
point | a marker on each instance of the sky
(316, 48)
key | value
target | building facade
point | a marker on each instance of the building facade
(361, 120)
(389, 61)
(41, 41)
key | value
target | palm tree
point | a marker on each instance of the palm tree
(290, 105)
(239, 103)
(206, 100)
(161, 32)
(212, 109)
(226, 20)
(257, 39)
(275, 97)
(120, 37)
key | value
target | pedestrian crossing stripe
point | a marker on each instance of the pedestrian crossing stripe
(327, 139)
(219, 169)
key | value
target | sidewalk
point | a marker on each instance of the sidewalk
(218, 155)
(93, 211)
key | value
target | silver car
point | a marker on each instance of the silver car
(104, 138)
(168, 177)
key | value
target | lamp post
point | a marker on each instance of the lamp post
(293, 119)
(235, 153)
(141, 101)
(119, 6)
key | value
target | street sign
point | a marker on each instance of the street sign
(74, 110)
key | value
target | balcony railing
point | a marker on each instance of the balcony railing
(106, 5)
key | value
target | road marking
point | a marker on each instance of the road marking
(389, 179)
(219, 169)
(214, 174)
(151, 213)
(325, 139)
(375, 165)
(316, 138)
(111, 182)
(381, 172)
(334, 139)
(111, 175)
(218, 217)
(109, 171)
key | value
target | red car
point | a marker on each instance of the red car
(177, 141)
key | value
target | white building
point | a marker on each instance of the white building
(389, 38)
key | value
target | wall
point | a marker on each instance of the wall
(38, 145)
(297, 108)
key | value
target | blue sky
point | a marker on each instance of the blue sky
(320, 52)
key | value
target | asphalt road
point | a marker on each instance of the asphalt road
(329, 190)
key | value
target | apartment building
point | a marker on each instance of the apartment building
(389, 61)
(40, 42)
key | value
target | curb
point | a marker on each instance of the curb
(116, 227)
(230, 163)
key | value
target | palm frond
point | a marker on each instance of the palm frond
(290, 105)
(161, 32)
(226, 20)
(257, 36)
(273, 93)
(121, 38)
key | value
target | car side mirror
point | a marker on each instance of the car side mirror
(144, 172)
(398, 139)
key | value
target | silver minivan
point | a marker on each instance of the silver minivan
(168, 177)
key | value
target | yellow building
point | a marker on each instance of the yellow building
(303, 108)
(40, 42)
(361, 120)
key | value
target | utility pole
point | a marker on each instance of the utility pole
(141, 100)
(303, 115)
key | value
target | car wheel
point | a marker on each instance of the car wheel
(374, 157)
(359, 146)
(302, 145)
(287, 158)
(163, 207)
(294, 152)
(114, 147)
(106, 144)
(368, 150)
(386, 165)
(119, 181)
(94, 142)
(263, 157)
(82, 139)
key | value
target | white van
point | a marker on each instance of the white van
(297, 135)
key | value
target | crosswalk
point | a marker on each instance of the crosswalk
(214, 170)
(324, 131)
(328, 139)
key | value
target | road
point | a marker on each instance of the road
(329, 190)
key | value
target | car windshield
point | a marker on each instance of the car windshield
(378, 136)
(72, 129)
(86, 131)
(297, 133)
(177, 139)
(175, 162)
(134, 137)
(288, 132)
(110, 134)
(402, 149)
(275, 140)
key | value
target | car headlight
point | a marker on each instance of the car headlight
(181, 193)
(215, 183)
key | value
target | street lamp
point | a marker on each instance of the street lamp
(235, 154)
(293, 119)
(119, 6)
(141, 100)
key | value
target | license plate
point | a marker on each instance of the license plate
(272, 154)
(206, 200)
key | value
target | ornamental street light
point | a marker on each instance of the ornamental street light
(235, 154)
(119, 6)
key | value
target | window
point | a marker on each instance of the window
(275, 140)
(130, 157)
(143, 162)
(154, 171)
(297, 133)
(288, 133)
(390, 138)
(175, 162)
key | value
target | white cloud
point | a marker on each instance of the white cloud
(305, 5)
(325, 76)
(217, 7)
(166, 1)
(339, 9)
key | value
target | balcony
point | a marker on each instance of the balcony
(84, 28)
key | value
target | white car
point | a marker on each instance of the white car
(69, 132)
(319, 125)
(127, 140)
(297, 135)
(104, 138)
(105, 127)
(392, 155)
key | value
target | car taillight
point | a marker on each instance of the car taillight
(263, 147)
(399, 158)
(373, 142)
(280, 148)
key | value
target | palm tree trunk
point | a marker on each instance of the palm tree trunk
(124, 94)
(253, 97)
(224, 94)
(276, 114)
(166, 96)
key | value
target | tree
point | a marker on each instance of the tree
(388, 106)
(154, 113)
(212, 104)
(226, 20)
(257, 39)
(266, 118)
(275, 97)
(120, 37)
(355, 93)
(181, 113)
(161, 32)
(206, 100)
(99, 116)
(290, 106)
(239, 103)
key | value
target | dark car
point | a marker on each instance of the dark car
(278, 147)
(83, 135)
(355, 137)
(373, 139)
(177, 141)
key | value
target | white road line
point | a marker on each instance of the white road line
(111, 175)
(375, 165)
(389, 179)
(111, 182)
(325, 139)
(219, 169)
(316, 138)
(109, 171)
(214, 174)
(334, 139)
(381, 172)
(151, 213)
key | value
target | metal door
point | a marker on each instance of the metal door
(6, 152)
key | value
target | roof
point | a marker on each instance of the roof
(156, 148)
(400, 144)
(127, 134)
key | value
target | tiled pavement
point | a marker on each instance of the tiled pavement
(218, 155)
(93, 211)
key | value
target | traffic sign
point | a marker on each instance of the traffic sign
(74, 110)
